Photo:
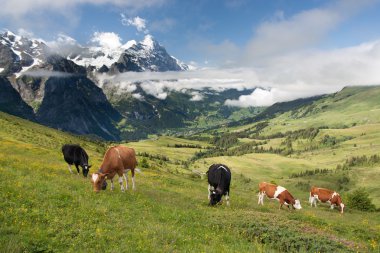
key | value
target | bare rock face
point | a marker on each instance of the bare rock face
(11, 101)
(77, 105)
(56, 88)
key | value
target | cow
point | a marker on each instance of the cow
(117, 160)
(219, 179)
(75, 154)
(325, 196)
(273, 191)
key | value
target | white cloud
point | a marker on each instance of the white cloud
(108, 40)
(259, 97)
(283, 35)
(47, 73)
(25, 33)
(196, 96)
(138, 96)
(296, 75)
(62, 40)
(18, 8)
(137, 22)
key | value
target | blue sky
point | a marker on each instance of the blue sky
(187, 28)
(291, 49)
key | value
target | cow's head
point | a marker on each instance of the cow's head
(215, 198)
(98, 181)
(336, 199)
(297, 204)
(85, 169)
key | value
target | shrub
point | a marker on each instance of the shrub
(359, 200)
(144, 163)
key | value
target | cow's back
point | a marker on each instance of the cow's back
(322, 193)
(219, 176)
(117, 159)
(73, 153)
(128, 156)
(268, 188)
(68, 152)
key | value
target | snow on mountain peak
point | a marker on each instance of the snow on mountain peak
(148, 42)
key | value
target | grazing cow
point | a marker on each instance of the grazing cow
(117, 160)
(326, 196)
(273, 191)
(75, 154)
(219, 179)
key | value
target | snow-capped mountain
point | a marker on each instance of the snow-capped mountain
(97, 56)
(147, 55)
(19, 54)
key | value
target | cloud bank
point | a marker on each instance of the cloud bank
(297, 75)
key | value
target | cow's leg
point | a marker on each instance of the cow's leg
(261, 198)
(121, 183)
(315, 198)
(332, 206)
(281, 204)
(76, 166)
(125, 176)
(133, 179)
(311, 200)
(112, 186)
(228, 198)
(71, 171)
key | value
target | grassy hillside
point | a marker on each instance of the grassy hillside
(43, 208)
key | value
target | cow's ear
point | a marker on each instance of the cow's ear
(89, 166)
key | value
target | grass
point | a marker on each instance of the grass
(43, 208)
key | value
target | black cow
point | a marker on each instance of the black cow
(219, 179)
(75, 154)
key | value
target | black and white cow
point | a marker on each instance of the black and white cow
(219, 179)
(75, 154)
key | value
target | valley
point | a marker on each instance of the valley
(331, 142)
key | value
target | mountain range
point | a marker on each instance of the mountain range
(59, 86)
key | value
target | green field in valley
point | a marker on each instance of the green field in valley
(44, 208)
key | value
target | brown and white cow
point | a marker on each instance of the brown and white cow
(117, 160)
(273, 191)
(326, 196)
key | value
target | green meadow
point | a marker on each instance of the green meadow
(44, 208)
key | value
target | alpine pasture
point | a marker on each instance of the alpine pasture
(331, 143)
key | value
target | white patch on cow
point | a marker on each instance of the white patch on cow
(297, 205)
(223, 168)
(278, 191)
(118, 153)
(95, 177)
